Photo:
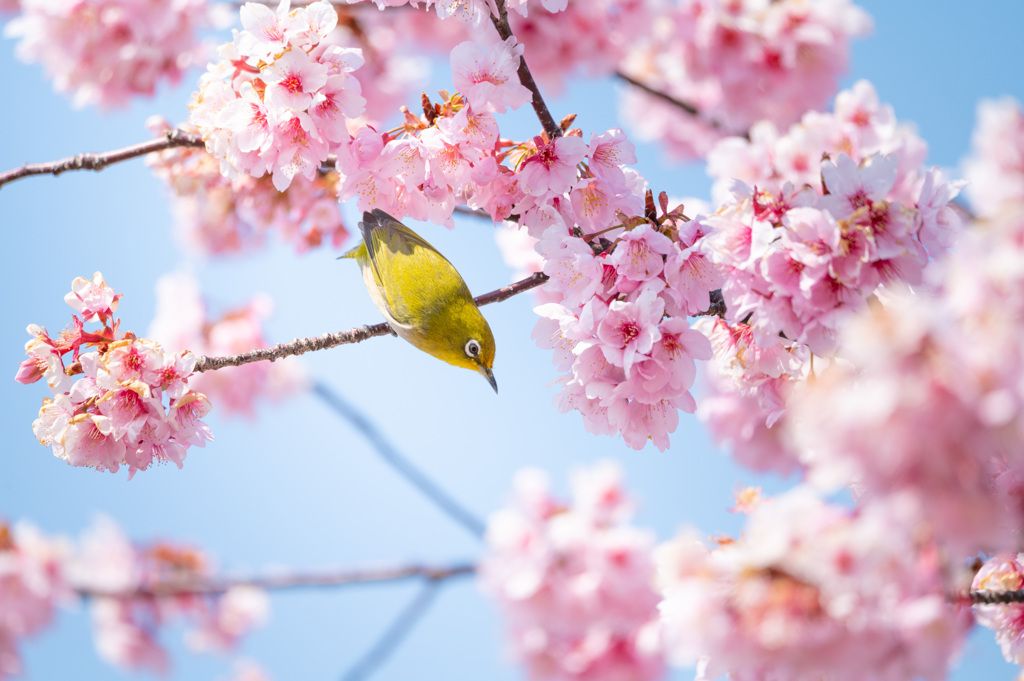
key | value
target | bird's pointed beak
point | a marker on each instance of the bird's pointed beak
(489, 375)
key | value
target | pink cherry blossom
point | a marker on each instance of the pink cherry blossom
(279, 99)
(93, 299)
(574, 581)
(812, 591)
(927, 400)
(105, 52)
(487, 77)
(609, 151)
(126, 627)
(132, 405)
(1003, 572)
(551, 169)
(630, 366)
(995, 169)
(631, 328)
(31, 584)
(738, 63)
(640, 254)
(215, 214)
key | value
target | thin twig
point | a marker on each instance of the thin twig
(664, 96)
(301, 346)
(393, 636)
(676, 102)
(547, 121)
(399, 463)
(279, 582)
(98, 161)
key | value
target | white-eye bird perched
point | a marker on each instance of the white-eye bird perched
(422, 295)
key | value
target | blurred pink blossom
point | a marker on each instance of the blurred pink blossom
(105, 52)
(574, 582)
(812, 591)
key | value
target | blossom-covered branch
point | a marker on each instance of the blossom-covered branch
(197, 584)
(501, 25)
(301, 346)
(98, 161)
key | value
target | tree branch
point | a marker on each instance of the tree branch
(279, 582)
(547, 121)
(678, 103)
(98, 161)
(995, 597)
(301, 346)
(399, 463)
(395, 633)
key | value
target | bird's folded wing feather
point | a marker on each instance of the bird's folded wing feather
(409, 271)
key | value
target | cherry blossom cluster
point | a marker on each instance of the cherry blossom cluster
(182, 321)
(279, 100)
(574, 581)
(929, 398)
(812, 591)
(131, 404)
(801, 255)
(120, 580)
(859, 126)
(747, 383)
(451, 154)
(1003, 572)
(737, 63)
(618, 325)
(31, 582)
(995, 170)
(219, 215)
(105, 52)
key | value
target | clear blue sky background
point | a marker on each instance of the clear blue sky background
(297, 486)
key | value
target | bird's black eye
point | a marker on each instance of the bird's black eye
(473, 348)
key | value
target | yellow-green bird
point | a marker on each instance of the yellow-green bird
(422, 295)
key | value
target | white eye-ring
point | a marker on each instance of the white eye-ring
(473, 348)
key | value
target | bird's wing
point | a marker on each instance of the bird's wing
(410, 273)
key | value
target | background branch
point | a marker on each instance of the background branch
(678, 103)
(98, 161)
(278, 582)
(399, 463)
(393, 636)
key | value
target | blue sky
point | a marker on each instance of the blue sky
(298, 486)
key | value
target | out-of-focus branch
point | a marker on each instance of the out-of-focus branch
(399, 463)
(98, 161)
(547, 121)
(674, 101)
(301, 346)
(663, 96)
(283, 581)
(395, 633)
